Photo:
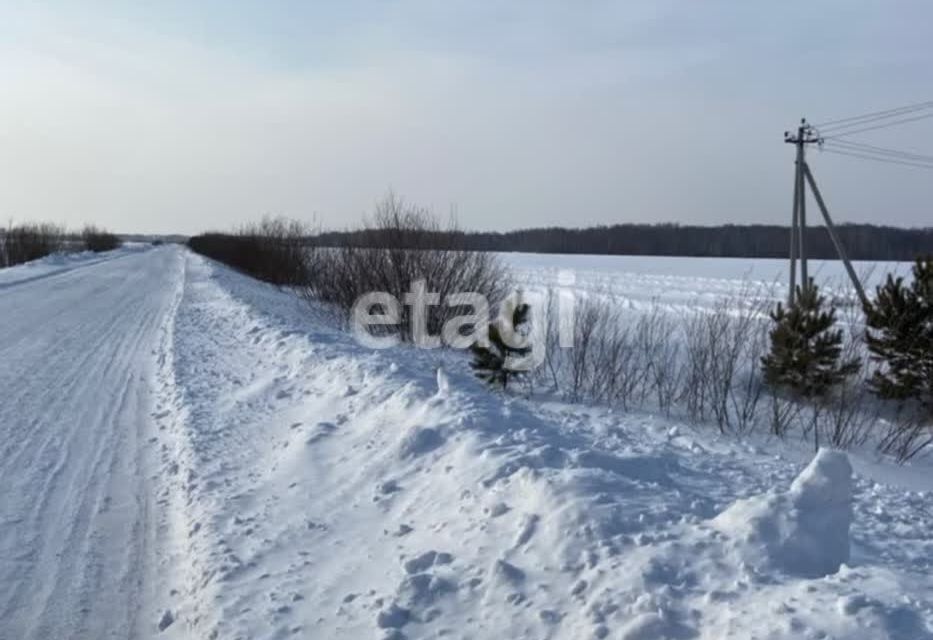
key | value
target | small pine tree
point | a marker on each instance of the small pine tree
(899, 336)
(490, 357)
(805, 350)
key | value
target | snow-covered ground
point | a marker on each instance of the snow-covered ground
(59, 263)
(187, 453)
(684, 283)
(77, 349)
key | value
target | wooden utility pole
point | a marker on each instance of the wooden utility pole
(806, 134)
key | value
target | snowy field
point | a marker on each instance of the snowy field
(685, 282)
(187, 453)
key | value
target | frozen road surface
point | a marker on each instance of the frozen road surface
(78, 351)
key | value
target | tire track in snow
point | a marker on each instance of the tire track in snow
(76, 518)
(71, 379)
(46, 500)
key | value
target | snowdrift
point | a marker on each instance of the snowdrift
(317, 489)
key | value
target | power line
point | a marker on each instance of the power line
(830, 147)
(894, 153)
(887, 113)
(864, 156)
(880, 119)
(883, 125)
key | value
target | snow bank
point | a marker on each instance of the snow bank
(804, 531)
(58, 263)
(328, 491)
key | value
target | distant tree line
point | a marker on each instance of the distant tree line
(29, 241)
(862, 241)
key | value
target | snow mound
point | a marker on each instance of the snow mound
(804, 531)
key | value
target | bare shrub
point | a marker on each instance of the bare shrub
(554, 355)
(658, 349)
(603, 364)
(274, 250)
(282, 253)
(704, 364)
(99, 240)
(400, 246)
(721, 381)
(850, 412)
(907, 434)
(751, 330)
(698, 354)
(589, 328)
(25, 242)
(784, 413)
(626, 366)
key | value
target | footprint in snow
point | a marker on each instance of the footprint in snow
(166, 620)
(549, 616)
(508, 573)
(321, 431)
(499, 509)
(426, 560)
(389, 487)
(422, 590)
(393, 617)
(419, 441)
(527, 531)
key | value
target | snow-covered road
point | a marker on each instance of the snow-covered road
(188, 453)
(76, 381)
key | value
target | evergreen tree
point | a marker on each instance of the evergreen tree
(900, 337)
(504, 341)
(805, 350)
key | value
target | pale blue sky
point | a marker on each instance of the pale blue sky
(179, 116)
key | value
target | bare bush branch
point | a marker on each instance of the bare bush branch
(98, 240)
(26, 242)
(401, 245)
